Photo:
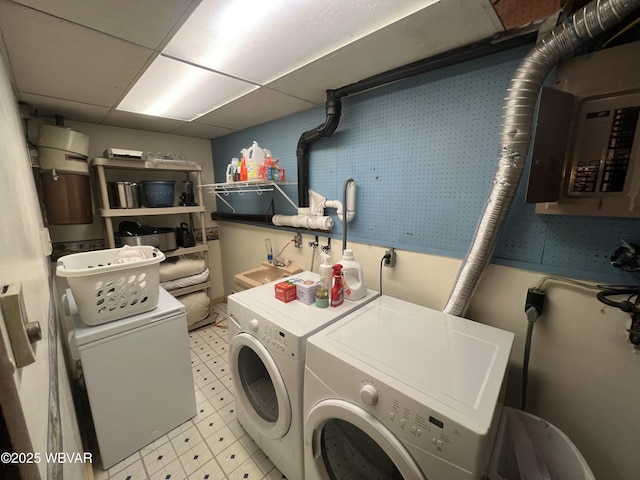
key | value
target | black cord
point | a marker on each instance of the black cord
(525, 363)
(381, 263)
(625, 306)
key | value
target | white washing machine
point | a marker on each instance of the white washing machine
(399, 391)
(137, 373)
(267, 343)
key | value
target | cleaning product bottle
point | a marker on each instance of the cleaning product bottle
(337, 291)
(323, 286)
(244, 175)
(354, 286)
(268, 166)
(232, 168)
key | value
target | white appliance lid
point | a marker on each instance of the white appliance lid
(167, 307)
(454, 361)
(296, 317)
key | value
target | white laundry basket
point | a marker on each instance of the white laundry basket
(105, 291)
(528, 447)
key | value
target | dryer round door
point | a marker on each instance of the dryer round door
(259, 387)
(344, 441)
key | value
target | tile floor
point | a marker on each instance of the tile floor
(210, 446)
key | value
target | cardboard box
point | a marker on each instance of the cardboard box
(286, 291)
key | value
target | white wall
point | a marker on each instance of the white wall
(584, 377)
(23, 259)
(102, 137)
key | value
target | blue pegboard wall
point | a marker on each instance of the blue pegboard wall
(423, 152)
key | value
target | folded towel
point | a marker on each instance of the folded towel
(186, 281)
(179, 267)
(129, 254)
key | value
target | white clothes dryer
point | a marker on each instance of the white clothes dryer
(400, 391)
(267, 344)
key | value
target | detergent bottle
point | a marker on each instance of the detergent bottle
(354, 286)
(254, 158)
(337, 291)
(324, 284)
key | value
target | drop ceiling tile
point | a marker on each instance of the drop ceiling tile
(174, 89)
(47, 106)
(56, 58)
(255, 108)
(144, 22)
(200, 130)
(261, 41)
(61, 66)
(141, 122)
(428, 32)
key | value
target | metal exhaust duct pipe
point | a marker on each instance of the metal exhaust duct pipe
(515, 135)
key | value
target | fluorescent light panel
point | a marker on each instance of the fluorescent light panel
(255, 40)
(262, 40)
(173, 89)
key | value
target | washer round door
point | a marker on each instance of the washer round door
(259, 388)
(344, 441)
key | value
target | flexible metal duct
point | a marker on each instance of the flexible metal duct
(515, 135)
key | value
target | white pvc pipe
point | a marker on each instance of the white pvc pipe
(303, 221)
(351, 203)
(316, 203)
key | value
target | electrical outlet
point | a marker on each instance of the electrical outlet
(391, 261)
(298, 239)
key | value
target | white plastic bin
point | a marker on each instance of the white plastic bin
(529, 448)
(105, 291)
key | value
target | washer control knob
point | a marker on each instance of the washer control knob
(369, 394)
(254, 325)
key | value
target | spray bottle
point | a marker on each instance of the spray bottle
(337, 291)
(244, 175)
(324, 284)
(354, 286)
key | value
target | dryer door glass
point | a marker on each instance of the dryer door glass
(257, 384)
(348, 452)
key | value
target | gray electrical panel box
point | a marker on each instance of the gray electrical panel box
(586, 151)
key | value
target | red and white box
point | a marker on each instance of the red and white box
(286, 291)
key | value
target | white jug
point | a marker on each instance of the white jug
(255, 154)
(354, 286)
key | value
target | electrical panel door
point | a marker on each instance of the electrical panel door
(586, 150)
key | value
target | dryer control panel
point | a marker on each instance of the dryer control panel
(276, 340)
(426, 428)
